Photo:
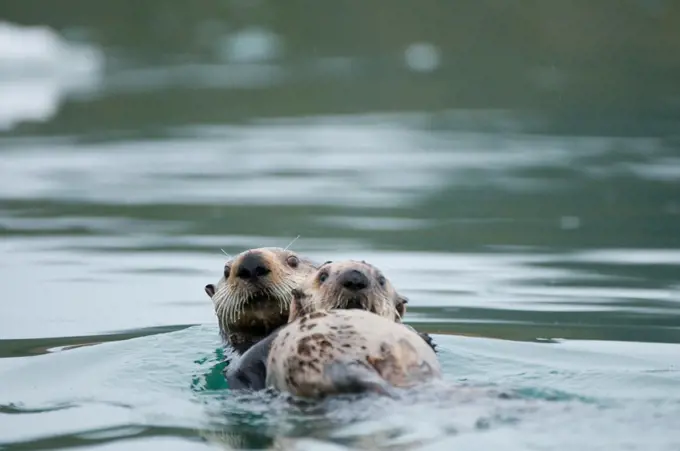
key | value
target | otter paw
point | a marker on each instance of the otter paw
(429, 340)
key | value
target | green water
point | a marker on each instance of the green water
(514, 169)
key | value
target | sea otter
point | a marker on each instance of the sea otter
(252, 298)
(326, 299)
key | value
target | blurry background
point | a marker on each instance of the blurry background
(512, 165)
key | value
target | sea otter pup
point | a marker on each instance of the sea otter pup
(325, 300)
(348, 284)
(252, 298)
(348, 351)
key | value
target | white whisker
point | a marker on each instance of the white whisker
(291, 243)
(338, 302)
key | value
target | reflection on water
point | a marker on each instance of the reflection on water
(38, 70)
(516, 184)
(559, 395)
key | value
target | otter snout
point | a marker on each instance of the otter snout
(353, 280)
(252, 267)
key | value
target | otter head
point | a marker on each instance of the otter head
(253, 296)
(347, 285)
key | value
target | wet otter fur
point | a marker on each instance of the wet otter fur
(252, 298)
(348, 351)
(310, 363)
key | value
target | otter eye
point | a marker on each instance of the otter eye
(323, 276)
(227, 270)
(381, 281)
(293, 261)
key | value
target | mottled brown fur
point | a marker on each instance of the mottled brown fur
(249, 305)
(364, 350)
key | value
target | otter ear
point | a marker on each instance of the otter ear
(401, 305)
(210, 289)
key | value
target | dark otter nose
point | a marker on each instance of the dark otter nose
(252, 266)
(353, 280)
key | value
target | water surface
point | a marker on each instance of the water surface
(541, 250)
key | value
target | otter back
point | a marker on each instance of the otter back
(345, 351)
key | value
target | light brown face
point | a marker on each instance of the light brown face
(253, 296)
(348, 285)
